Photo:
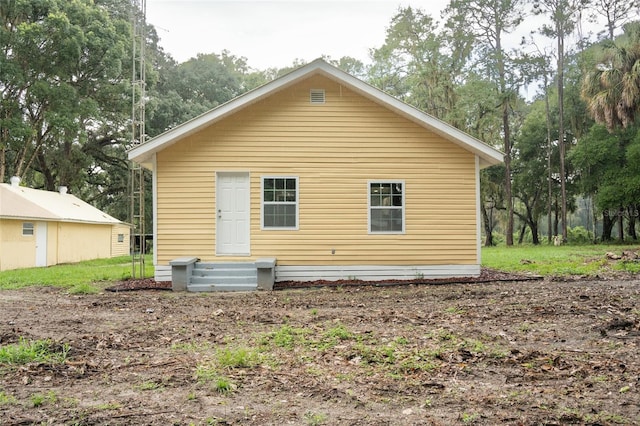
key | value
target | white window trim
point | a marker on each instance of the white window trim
(404, 195)
(297, 203)
(33, 229)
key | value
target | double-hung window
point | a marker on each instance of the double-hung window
(386, 207)
(280, 203)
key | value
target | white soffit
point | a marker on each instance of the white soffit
(487, 154)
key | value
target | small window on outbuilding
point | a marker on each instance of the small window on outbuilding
(317, 96)
(121, 238)
(27, 229)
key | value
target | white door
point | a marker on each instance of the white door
(232, 213)
(41, 244)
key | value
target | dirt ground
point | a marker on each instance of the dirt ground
(515, 353)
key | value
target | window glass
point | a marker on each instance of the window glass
(386, 207)
(280, 202)
(27, 229)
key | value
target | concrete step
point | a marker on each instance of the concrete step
(224, 272)
(222, 279)
(237, 276)
(220, 287)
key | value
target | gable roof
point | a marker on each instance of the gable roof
(488, 155)
(18, 202)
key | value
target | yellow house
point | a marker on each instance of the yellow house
(321, 174)
(44, 228)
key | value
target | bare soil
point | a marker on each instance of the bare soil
(535, 352)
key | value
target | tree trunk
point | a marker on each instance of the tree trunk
(3, 163)
(507, 173)
(621, 224)
(555, 218)
(549, 152)
(561, 141)
(595, 220)
(607, 226)
(631, 226)
(487, 218)
(535, 239)
(522, 231)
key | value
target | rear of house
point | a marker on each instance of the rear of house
(327, 175)
(43, 228)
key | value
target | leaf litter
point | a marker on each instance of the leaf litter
(500, 352)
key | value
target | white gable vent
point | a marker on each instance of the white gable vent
(317, 96)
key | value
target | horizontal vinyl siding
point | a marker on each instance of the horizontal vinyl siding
(334, 149)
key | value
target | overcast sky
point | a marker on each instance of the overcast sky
(275, 33)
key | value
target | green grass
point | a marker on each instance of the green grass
(24, 352)
(84, 277)
(237, 357)
(7, 399)
(563, 260)
(315, 419)
(38, 399)
(78, 277)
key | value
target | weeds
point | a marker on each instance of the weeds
(41, 351)
(315, 419)
(468, 418)
(38, 399)
(6, 399)
(237, 358)
(226, 359)
(222, 385)
(286, 337)
(209, 374)
(338, 332)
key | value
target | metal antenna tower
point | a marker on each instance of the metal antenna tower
(138, 136)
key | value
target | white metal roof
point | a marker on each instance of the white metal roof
(488, 155)
(18, 202)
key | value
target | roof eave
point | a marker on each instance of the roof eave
(488, 155)
(142, 154)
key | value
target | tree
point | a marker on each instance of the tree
(193, 87)
(612, 87)
(615, 12)
(531, 165)
(489, 21)
(564, 15)
(420, 64)
(62, 73)
(476, 113)
(492, 196)
(609, 169)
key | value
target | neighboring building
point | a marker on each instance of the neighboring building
(44, 228)
(328, 175)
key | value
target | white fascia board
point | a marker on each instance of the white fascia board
(487, 154)
(142, 153)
